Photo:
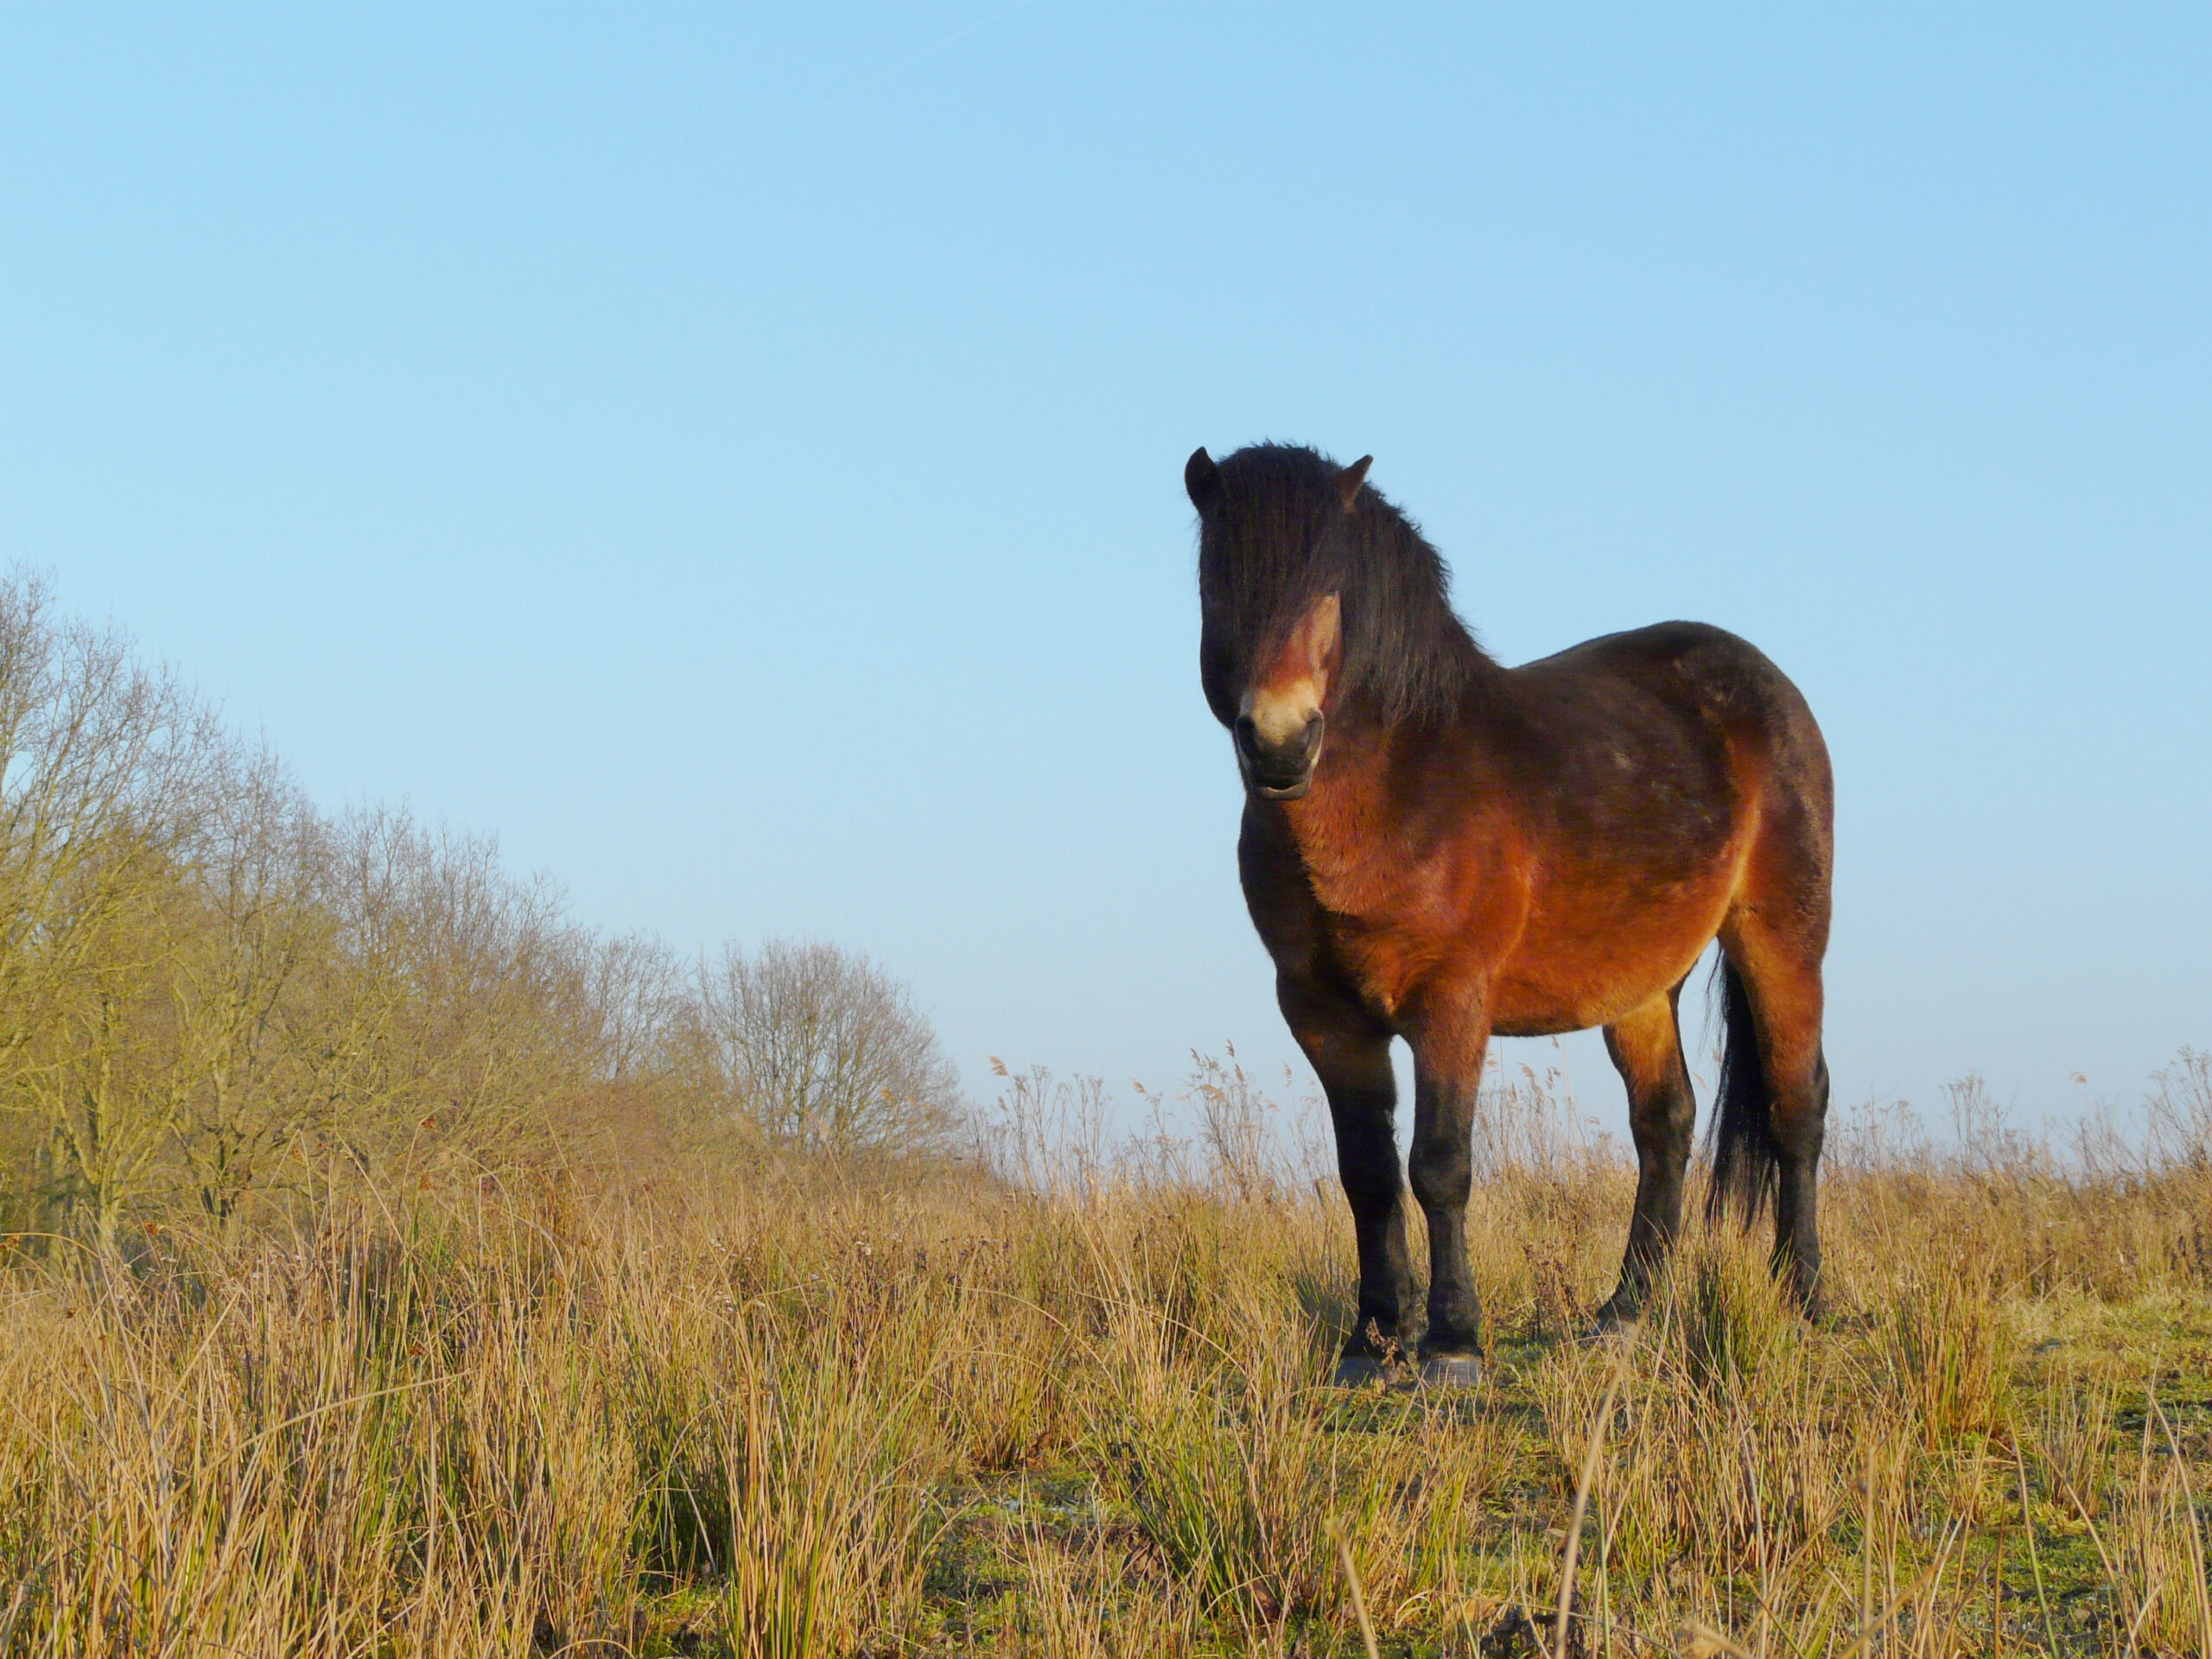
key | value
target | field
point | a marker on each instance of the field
(822, 1407)
(392, 1266)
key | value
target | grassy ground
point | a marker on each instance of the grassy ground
(818, 1415)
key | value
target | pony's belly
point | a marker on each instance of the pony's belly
(1578, 981)
(1521, 1010)
(1529, 996)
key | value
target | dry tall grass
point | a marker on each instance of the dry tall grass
(817, 1412)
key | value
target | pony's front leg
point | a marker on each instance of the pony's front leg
(1447, 1069)
(1351, 1053)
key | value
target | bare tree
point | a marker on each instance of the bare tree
(249, 928)
(459, 1014)
(103, 766)
(202, 979)
(211, 994)
(819, 1048)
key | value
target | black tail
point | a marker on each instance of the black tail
(1745, 1158)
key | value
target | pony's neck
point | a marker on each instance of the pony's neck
(1342, 824)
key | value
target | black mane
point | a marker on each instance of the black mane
(1276, 536)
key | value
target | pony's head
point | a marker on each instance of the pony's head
(1314, 593)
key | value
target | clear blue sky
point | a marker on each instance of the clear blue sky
(735, 456)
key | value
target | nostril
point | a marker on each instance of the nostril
(1310, 738)
(1247, 735)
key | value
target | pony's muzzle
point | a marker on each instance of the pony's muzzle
(1282, 771)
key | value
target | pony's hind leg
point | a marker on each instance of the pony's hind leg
(1773, 1113)
(1351, 1056)
(1646, 1045)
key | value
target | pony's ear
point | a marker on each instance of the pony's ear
(1201, 478)
(1349, 480)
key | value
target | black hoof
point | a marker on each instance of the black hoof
(1360, 1371)
(1451, 1371)
(1619, 1314)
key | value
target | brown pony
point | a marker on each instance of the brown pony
(1438, 847)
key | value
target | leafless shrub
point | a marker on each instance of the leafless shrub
(2180, 1112)
(1239, 1129)
(1985, 1144)
(1878, 1136)
(1218, 1130)
(816, 1048)
(1045, 1134)
(458, 1021)
(1526, 1121)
